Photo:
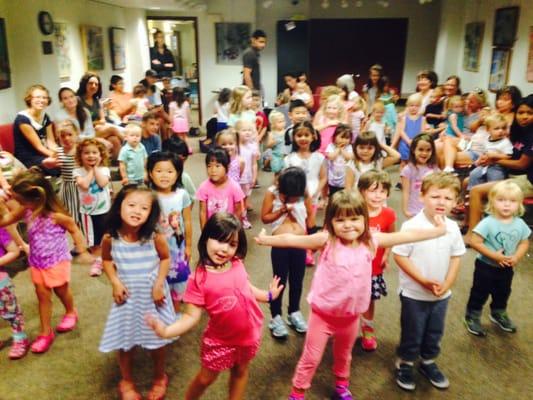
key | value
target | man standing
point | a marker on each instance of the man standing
(251, 75)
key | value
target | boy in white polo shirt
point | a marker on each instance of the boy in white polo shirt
(428, 270)
(132, 157)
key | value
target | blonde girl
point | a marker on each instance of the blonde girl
(276, 140)
(376, 123)
(456, 117)
(249, 151)
(228, 139)
(340, 290)
(331, 114)
(357, 116)
(241, 105)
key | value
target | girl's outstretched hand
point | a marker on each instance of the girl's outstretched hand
(275, 288)
(261, 238)
(154, 324)
(120, 293)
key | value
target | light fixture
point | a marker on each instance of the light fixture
(267, 3)
(344, 3)
(289, 26)
(359, 3)
(325, 4)
(383, 3)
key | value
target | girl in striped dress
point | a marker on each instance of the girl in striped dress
(136, 261)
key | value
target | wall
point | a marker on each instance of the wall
(30, 66)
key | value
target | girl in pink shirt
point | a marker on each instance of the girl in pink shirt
(220, 285)
(340, 290)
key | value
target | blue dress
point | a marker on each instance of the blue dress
(412, 128)
(137, 268)
(278, 154)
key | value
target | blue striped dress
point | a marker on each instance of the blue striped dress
(137, 267)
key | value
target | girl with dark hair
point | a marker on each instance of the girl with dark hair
(180, 114)
(426, 81)
(73, 110)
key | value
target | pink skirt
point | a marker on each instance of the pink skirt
(180, 125)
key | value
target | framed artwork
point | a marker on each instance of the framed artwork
(473, 40)
(232, 38)
(92, 40)
(117, 44)
(530, 56)
(505, 24)
(499, 68)
(5, 70)
(62, 50)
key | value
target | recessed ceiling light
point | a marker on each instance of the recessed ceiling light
(154, 8)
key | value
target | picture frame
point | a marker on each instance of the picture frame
(92, 40)
(117, 45)
(505, 25)
(499, 68)
(529, 70)
(5, 69)
(62, 50)
(231, 39)
(472, 47)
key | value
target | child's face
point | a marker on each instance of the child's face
(166, 84)
(423, 152)
(375, 196)
(278, 124)
(472, 103)
(221, 252)
(227, 142)
(365, 152)
(303, 139)
(458, 107)
(299, 114)
(151, 126)
(438, 201)
(90, 156)
(132, 137)
(423, 84)
(524, 115)
(436, 96)
(332, 110)
(247, 100)
(498, 130)
(413, 107)
(256, 102)
(246, 132)
(378, 114)
(504, 103)
(216, 172)
(300, 87)
(348, 228)
(506, 206)
(67, 139)
(135, 209)
(342, 140)
(374, 76)
(164, 175)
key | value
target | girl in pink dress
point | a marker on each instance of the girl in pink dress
(180, 114)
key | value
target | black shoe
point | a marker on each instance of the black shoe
(405, 376)
(398, 186)
(434, 375)
(473, 325)
(503, 321)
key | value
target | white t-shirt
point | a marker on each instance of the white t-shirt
(95, 200)
(311, 167)
(431, 257)
(222, 112)
(503, 146)
(379, 129)
(305, 97)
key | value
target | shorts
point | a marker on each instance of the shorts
(220, 357)
(473, 155)
(379, 287)
(177, 290)
(523, 183)
(52, 277)
(246, 189)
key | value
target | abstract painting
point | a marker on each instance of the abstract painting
(473, 41)
(231, 40)
(93, 46)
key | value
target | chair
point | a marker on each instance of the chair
(7, 142)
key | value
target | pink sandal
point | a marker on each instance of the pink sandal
(42, 343)
(68, 323)
(96, 267)
(18, 349)
(159, 389)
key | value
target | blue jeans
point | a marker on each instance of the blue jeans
(422, 324)
(490, 173)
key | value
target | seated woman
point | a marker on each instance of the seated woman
(291, 80)
(90, 92)
(120, 100)
(33, 133)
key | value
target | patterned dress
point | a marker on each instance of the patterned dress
(68, 190)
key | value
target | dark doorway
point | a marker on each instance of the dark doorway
(292, 49)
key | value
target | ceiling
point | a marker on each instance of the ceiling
(176, 5)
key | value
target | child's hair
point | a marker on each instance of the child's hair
(32, 186)
(342, 130)
(494, 119)
(335, 99)
(348, 203)
(455, 100)
(222, 227)
(346, 83)
(223, 96)
(237, 94)
(160, 156)
(426, 137)
(67, 126)
(315, 144)
(219, 155)
(256, 93)
(385, 81)
(295, 104)
(438, 89)
(149, 115)
(509, 189)
(177, 146)
(374, 177)
(378, 106)
(139, 90)
(283, 98)
(430, 75)
(292, 182)
(88, 142)
(367, 138)
(415, 98)
(360, 101)
(441, 180)
(513, 92)
(178, 95)
(274, 115)
(328, 91)
(114, 220)
(242, 122)
(229, 132)
(133, 128)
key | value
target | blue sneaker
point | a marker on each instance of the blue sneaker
(405, 376)
(277, 327)
(297, 322)
(434, 375)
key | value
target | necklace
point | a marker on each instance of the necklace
(218, 267)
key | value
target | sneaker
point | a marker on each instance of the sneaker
(18, 349)
(246, 224)
(277, 328)
(309, 259)
(405, 376)
(503, 321)
(473, 325)
(434, 375)
(398, 186)
(96, 267)
(42, 343)
(449, 170)
(297, 322)
(68, 323)
(368, 341)
(342, 393)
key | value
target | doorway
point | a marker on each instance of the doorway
(181, 38)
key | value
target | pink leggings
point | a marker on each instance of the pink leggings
(321, 327)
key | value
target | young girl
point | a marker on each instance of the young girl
(276, 141)
(456, 117)
(49, 257)
(357, 116)
(228, 139)
(422, 161)
(340, 290)
(93, 181)
(502, 240)
(368, 154)
(249, 151)
(222, 109)
(218, 193)
(338, 154)
(220, 285)
(288, 209)
(136, 261)
(331, 114)
(389, 98)
(140, 104)
(180, 114)
(241, 105)
(164, 173)
(376, 122)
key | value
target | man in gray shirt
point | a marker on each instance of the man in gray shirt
(251, 75)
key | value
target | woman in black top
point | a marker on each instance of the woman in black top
(161, 59)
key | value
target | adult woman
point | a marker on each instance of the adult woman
(120, 100)
(291, 80)
(90, 92)
(507, 99)
(161, 59)
(73, 110)
(35, 144)
(452, 86)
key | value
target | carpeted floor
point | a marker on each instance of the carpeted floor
(499, 366)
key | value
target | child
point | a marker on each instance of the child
(497, 147)
(425, 83)
(228, 139)
(368, 154)
(140, 104)
(49, 257)
(501, 240)
(301, 92)
(249, 151)
(331, 114)
(241, 105)
(132, 157)
(357, 116)
(218, 193)
(376, 123)
(222, 109)
(261, 120)
(179, 147)
(298, 113)
(434, 112)
(389, 97)
(375, 187)
(180, 114)
(276, 141)
(136, 261)
(338, 154)
(456, 117)
(9, 306)
(220, 285)
(92, 180)
(422, 161)
(340, 290)
(427, 272)
(164, 172)
(288, 209)
(150, 138)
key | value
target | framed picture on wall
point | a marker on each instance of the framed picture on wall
(499, 68)
(92, 40)
(62, 50)
(505, 24)
(473, 40)
(117, 44)
(5, 70)
(231, 41)
(530, 56)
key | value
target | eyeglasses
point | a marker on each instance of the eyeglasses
(40, 97)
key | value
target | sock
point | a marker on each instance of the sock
(400, 361)
(427, 362)
(448, 169)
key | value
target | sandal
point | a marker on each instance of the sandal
(127, 391)
(42, 343)
(18, 349)
(68, 323)
(159, 389)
